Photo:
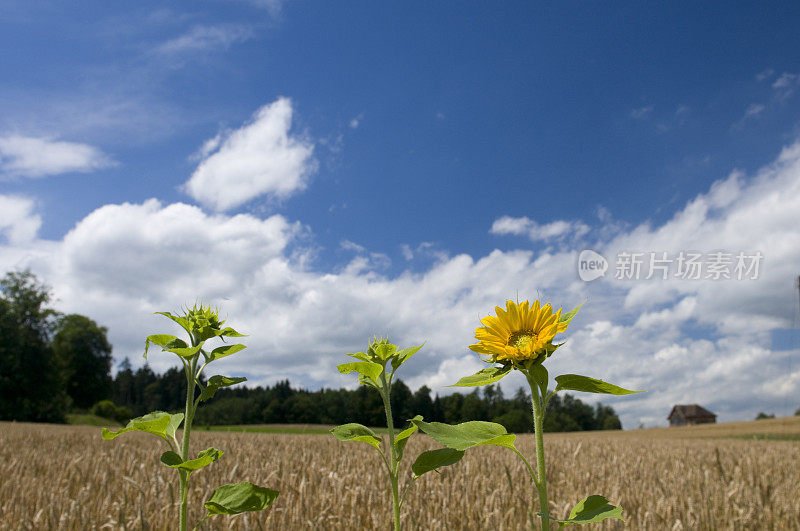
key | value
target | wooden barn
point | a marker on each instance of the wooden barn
(689, 415)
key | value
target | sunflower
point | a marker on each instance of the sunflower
(520, 333)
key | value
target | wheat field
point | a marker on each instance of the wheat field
(715, 477)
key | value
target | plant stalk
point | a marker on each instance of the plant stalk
(387, 405)
(187, 428)
(537, 406)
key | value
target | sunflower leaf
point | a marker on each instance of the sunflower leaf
(402, 438)
(402, 356)
(467, 434)
(576, 382)
(359, 356)
(433, 459)
(587, 511)
(368, 369)
(181, 320)
(540, 376)
(225, 350)
(483, 377)
(164, 341)
(204, 458)
(567, 317)
(157, 423)
(356, 432)
(217, 381)
(237, 498)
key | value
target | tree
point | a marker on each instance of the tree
(422, 404)
(31, 387)
(84, 353)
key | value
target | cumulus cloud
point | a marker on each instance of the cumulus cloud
(699, 341)
(25, 156)
(261, 158)
(525, 226)
(18, 222)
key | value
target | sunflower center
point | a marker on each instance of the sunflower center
(522, 339)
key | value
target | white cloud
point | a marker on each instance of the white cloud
(754, 109)
(682, 341)
(201, 37)
(641, 112)
(261, 158)
(18, 223)
(786, 84)
(25, 156)
(536, 232)
(355, 122)
(785, 80)
(764, 74)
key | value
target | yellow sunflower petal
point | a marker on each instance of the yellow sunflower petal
(487, 334)
(496, 324)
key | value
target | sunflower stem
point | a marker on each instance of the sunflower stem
(387, 405)
(537, 405)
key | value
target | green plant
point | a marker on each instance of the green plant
(201, 324)
(107, 409)
(372, 370)
(521, 338)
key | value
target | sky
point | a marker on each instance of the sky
(325, 172)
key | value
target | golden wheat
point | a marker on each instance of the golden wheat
(59, 477)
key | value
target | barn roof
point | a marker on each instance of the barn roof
(691, 410)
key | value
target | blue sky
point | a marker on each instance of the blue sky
(381, 149)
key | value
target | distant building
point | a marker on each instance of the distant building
(689, 415)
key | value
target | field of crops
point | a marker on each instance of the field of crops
(729, 476)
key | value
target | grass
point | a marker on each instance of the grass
(702, 477)
(86, 419)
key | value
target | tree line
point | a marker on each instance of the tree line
(52, 364)
(142, 390)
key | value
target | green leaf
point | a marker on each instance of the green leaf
(384, 351)
(185, 352)
(402, 438)
(567, 317)
(204, 458)
(157, 423)
(576, 382)
(483, 377)
(402, 356)
(359, 356)
(467, 434)
(588, 511)
(237, 498)
(433, 459)
(171, 458)
(356, 432)
(164, 341)
(229, 332)
(217, 381)
(182, 321)
(368, 369)
(225, 350)
(540, 376)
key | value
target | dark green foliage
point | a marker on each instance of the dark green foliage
(107, 409)
(142, 390)
(31, 382)
(84, 354)
(762, 416)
